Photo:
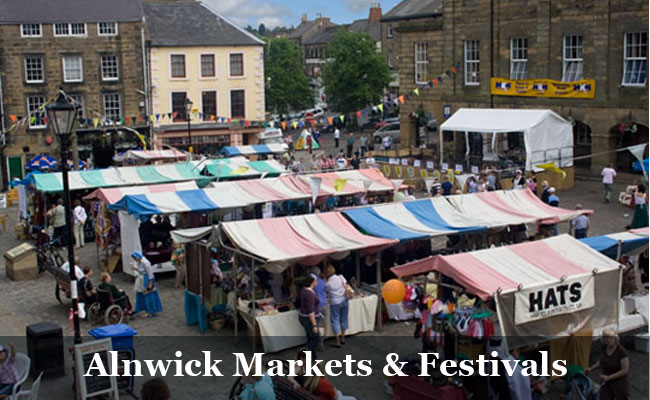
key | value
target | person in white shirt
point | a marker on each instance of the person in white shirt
(79, 215)
(339, 304)
(370, 162)
(337, 136)
(77, 271)
(387, 141)
(341, 162)
(608, 173)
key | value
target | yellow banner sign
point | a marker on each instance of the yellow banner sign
(585, 89)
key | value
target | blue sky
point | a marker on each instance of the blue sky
(287, 12)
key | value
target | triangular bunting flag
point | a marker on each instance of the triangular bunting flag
(247, 123)
(95, 122)
(342, 118)
(32, 119)
(401, 99)
(128, 120)
(157, 117)
(359, 114)
(175, 114)
(294, 124)
(284, 125)
(169, 115)
(152, 118)
(228, 120)
(13, 119)
(330, 120)
(339, 184)
(380, 107)
(435, 82)
(416, 91)
(453, 70)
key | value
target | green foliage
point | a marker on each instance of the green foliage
(356, 75)
(261, 30)
(287, 87)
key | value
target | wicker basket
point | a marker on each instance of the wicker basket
(217, 324)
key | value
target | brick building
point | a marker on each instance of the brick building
(563, 41)
(94, 49)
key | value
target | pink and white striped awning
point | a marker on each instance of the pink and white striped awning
(112, 195)
(355, 181)
(510, 207)
(150, 155)
(484, 272)
(306, 238)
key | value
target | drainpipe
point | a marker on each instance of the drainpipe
(3, 161)
(491, 50)
(146, 82)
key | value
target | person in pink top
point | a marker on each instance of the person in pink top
(8, 371)
(608, 173)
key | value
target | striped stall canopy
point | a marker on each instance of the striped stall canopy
(306, 238)
(240, 167)
(354, 181)
(484, 272)
(409, 220)
(150, 155)
(256, 149)
(632, 242)
(114, 177)
(112, 195)
(510, 207)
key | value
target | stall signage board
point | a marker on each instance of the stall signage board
(474, 169)
(405, 161)
(446, 111)
(417, 163)
(444, 166)
(94, 385)
(571, 295)
(429, 164)
(393, 161)
(459, 167)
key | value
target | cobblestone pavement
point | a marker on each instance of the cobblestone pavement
(27, 302)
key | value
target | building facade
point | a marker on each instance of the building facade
(595, 40)
(217, 66)
(94, 50)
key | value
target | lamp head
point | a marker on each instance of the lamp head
(62, 114)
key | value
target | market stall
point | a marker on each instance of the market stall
(542, 289)
(256, 149)
(146, 156)
(615, 245)
(240, 167)
(547, 137)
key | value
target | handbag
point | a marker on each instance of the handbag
(349, 292)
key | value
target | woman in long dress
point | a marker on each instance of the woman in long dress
(640, 219)
(147, 299)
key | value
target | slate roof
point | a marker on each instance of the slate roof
(301, 29)
(408, 9)
(322, 36)
(372, 29)
(192, 24)
(50, 11)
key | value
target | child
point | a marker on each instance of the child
(8, 371)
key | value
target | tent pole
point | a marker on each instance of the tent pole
(619, 250)
(441, 146)
(467, 150)
(253, 302)
(236, 310)
(379, 322)
(357, 263)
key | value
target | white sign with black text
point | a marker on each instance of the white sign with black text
(571, 295)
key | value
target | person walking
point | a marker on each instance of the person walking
(363, 143)
(579, 225)
(57, 218)
(350, 146)
(80, 218)
(309, 309)
(615, 364)
(337, 136)
(608, 173)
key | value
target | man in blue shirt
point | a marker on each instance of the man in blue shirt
(580, 224)
(553, 201)
(446, 186)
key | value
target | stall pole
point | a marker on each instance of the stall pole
(200, 251)
(619, 251)
(253, 302)
(379, 322)
(236, 310)
(358, 267)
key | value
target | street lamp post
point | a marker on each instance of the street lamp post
(61, 114)
(188, 112)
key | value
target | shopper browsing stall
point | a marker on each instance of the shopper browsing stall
(615, 365)
(147, 299)
(339, 304)
(309, 310)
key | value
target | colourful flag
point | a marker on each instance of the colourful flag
(550, 166)
(416, 91)
(284, 125)
(239, 170)
(339, 184)
(342, 117)
(380, 107)
(435, 82)
(247, 123)
(330, 120)
(95, 122)
(359, 114)
(13, 119)
(152, 118)
(401, 99)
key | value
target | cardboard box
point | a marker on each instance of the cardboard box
(21, 263)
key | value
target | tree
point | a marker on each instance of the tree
(287, 87)
(261, 30)
(356, 75)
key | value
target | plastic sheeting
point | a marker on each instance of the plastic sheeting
(547, 136)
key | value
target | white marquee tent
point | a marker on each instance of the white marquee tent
(547, 136)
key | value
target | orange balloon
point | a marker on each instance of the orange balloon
(393, 291)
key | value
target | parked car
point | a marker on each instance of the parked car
(314, 112)
(391, 129)
(386, 122)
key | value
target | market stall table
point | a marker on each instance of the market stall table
(282, 330)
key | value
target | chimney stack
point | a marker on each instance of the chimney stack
(375, 12)
(304, 18)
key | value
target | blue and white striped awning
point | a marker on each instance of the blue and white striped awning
(632, 242)
(256, 149)
(418, 219)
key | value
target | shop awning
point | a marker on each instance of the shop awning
(510, 207)
(256, 149)
(632, 242)
(484, 272)
(150, 155)
(114, 177)
(306, 238)
(412, 219)
(112, 195)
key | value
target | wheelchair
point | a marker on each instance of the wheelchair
(108, 310)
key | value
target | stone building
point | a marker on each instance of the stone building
(196, 54)
(94, 49)
(606, 42)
